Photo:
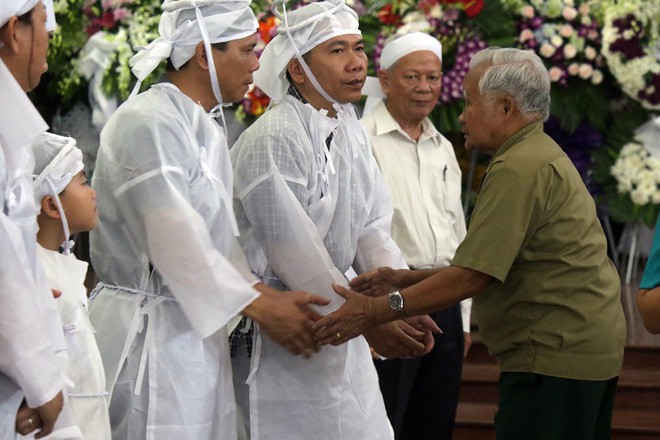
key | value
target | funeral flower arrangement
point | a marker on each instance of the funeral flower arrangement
(631, 46)
(94, 41)
(637, 174)
(566, 36)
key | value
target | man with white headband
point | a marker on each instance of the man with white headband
(311, 204)
(67, 206)
(424, 181)
(172, 273)
(30, 328)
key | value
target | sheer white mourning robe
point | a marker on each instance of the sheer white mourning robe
(161, 250)
(303, 227)
(87, 397)
(30, 329)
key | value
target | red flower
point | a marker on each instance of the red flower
(105, 22)
(472, 7)
(388, 17)
(267, 29)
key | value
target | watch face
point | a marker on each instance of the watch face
(396, 301)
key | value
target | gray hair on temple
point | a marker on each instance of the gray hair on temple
(518, 73)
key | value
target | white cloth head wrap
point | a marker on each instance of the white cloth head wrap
(57, 161)
(20, 124)
(184, 24)
(51, 23)
(15, 8)
(392, 52)
(300, 31)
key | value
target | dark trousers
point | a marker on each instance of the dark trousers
(421, 394)
(537, 407)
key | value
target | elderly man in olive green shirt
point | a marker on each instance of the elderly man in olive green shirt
(546, 296)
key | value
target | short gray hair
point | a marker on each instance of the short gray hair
(519, 73)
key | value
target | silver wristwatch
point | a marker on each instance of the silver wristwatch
(396, 301)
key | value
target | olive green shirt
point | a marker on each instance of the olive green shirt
(554, 307)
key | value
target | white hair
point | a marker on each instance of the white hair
(518, 73)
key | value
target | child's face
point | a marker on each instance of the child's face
(79, 204)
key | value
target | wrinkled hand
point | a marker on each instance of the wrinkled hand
(48, 413)
(423, 323)
(348, 321)
(378, 282)
(396, 340)
(288, 320)
(427, 327)
(27, 419)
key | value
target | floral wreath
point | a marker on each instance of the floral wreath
(632, 49)
(637, 175)
(566, 36)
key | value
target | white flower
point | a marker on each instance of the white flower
(597, 77)
(436, 11)
(569, 51)
(547, 50)
(555, 73)
(414, 22)
(584, 9)
(637, 173)
(556, 40)
(569, 13)
(573, 69)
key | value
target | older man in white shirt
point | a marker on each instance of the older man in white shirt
(424, 180)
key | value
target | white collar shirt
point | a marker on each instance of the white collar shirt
(424, 181)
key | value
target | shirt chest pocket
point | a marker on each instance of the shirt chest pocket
(205, 189)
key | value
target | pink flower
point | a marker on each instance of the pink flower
(569, 13)
(573, 69)
(566, 30)
(121, 13)
(547, 50)
(555, 73)
(585, 71)
(526, 35)
(590, 53)
(569, 51)
(527, 11)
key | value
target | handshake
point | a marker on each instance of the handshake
(291, 320)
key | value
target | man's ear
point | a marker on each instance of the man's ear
(384, 78)
(508, 106)
(49, 207)
(200, 56)
(296, 71)
(8, 36)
